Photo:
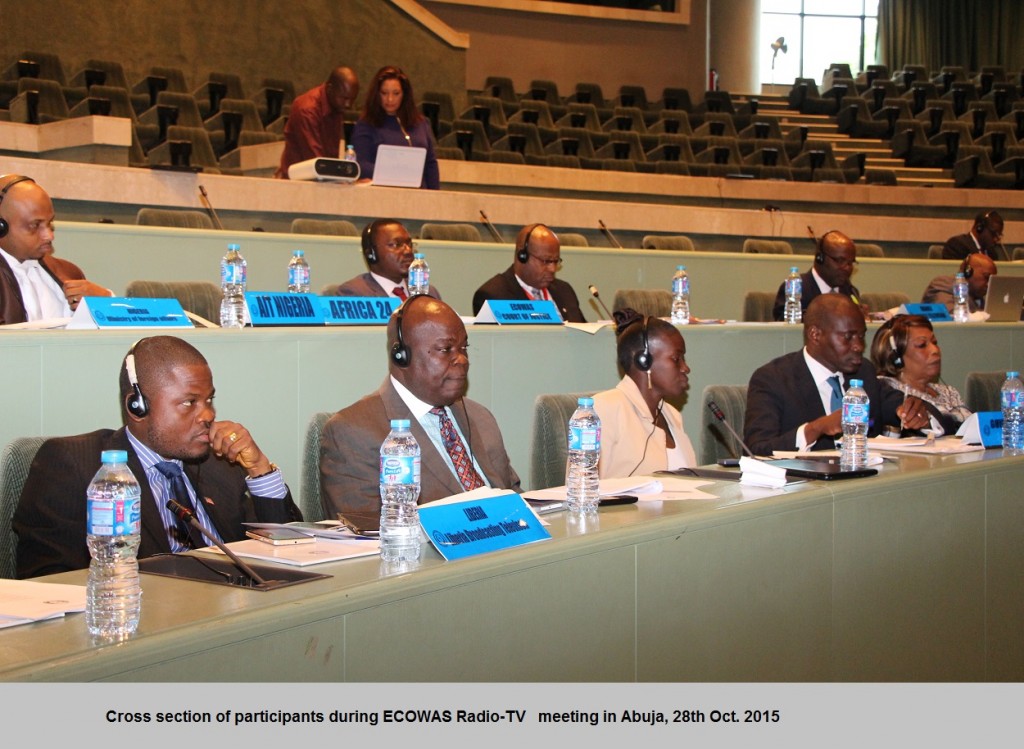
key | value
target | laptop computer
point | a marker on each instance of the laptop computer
(1004, 299)
(399, 166)
(823, 469)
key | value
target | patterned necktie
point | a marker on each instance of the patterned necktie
(400, 293)
(837, 394)
(173, 473)
(467, 474)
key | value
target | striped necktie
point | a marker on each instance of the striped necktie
(464, 469)
(174, 475)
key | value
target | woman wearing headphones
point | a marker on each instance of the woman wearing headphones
(640, 432)
(909, 359)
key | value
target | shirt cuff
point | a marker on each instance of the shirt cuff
(801, 439)
(271, 486)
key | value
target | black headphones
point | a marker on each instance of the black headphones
(982, 223)
(819, 256)
(369, 251)
(643, 359)
(966, 268)
(135, 402)
(401, 354)
(4, 226)
(897, 358)
(523, 253)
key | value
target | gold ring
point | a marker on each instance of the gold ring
(232, 436)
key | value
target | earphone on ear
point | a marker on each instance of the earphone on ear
(369, 251)
(643, 358)
(897, 359)
(966, 268)
(401, 354)
(523, 253)
(4, 226)
(135, 402)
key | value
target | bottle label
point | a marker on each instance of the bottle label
(418, 277)
(681, 285)
(794, 287)
(113, 517)
(584, 438)
(1011, 398)
(395, 469)
(855, 413)
(232, 274)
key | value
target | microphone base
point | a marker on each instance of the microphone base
(206, 568)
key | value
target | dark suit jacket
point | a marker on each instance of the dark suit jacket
(962, 245)
(366, 285)
(12, 306)
(940, 291)
(50, 517)
(505, 286)
(810, 291)
(782, 396)
(350, 450)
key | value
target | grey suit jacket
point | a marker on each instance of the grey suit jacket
(366, 285)
(350, 452)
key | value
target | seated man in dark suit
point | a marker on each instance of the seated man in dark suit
(34, 284)
(985, 236)
(174, 446)
(833, 265)
(977, 268)
(794, 402)
(428, 367)
(532, 275)
(388, 250)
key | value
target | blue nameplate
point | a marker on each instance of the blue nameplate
(279, 308)
(358, 310)
(990, 424)
(465, 529)
(518, 312)
(106, 312)
(932, 311)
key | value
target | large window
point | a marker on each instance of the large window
(817, 33)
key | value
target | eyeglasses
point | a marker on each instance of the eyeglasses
(841, 261)
(397, 244)
(547, 263)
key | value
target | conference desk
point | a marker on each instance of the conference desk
(913, 575)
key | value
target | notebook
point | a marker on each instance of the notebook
(399, 166)
(1004, 299)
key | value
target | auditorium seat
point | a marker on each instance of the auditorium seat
(15, 461)
(312, 505)
(716, 442)
(981, 390)
(179, 218)
(236, 116)
(767, 246)
(624, 146)
(650, 302)
(161, 79)
(591, 93)
(110, 73)
(911, 143)
(50, 68)
(879, 301)
(551, 413)
(883, 177)
(854, 119)
(866, 249)
(120, 106)
(673, 242)
(274, 95)
(172, 108)
(672, 149)
(199, 297)
(586, 117)
(758, 305)
(201, 154)
(451, 232)
(217, 86)
(489, 111)
(470, 137)
(547, 91)
(572, 239)
(437, 106)
(338, 228)
(523, 138)
(973, 168)
(671, 122)
(935, 251)
(1018, 253)
(38, 102)
(538, 114)
(501, 88)
(574, 141)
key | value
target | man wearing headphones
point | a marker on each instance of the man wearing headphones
(532, 275)
(34, 285)
(388, 250)
(176, 449)
(833, 265)
(794, 402)
(460, 444)
(977, 269)
(986, 235)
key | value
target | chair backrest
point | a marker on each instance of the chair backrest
(757, 306)
(551, 414)
(935, 251)
(675, 242)
(182, 219)
(310, 503)
(882, 300)
(768, 246)
(15, 461)
(981, 390)
(570, 239)
(716, 441)
(451, 232)
(650, 302)
(1018, 253)
(865, 249)
(339, 228)
(201, 297)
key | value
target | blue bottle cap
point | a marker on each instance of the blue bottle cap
(794, 269)
(856, 383)
(417, 255)
(114, 456)
(1012, 374)
(399, 423)
(234, 247)
(586, 402)
(680, 267)
(298, 253)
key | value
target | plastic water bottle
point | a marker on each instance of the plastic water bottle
(681, 296)
(794, 293)
(232, 286)
(298, 273)
(350, 153)
(1012, 398)
(583, 455)
(856, 412)
(113, 518)
(419, 276)
(399, 490)
(961, 313)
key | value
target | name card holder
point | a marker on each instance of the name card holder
(984, 428)
(107, 313)
(518, 312)
(358, 310)
(266, 308)
(930, 310)
(464, 529)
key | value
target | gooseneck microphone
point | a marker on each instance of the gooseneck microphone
(209, 208)
(183, 513)
(721, 417)
(608, 233)
(491, 227)
(593, 291)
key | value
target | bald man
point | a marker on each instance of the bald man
(428, 365)
(833, 266)
(978, 268)
(316, 121)
(34, 284)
